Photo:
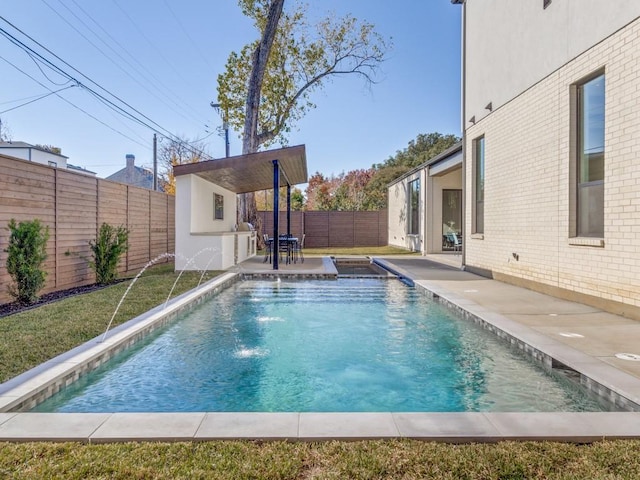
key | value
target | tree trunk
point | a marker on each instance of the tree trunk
(247, 210)
(259, 65)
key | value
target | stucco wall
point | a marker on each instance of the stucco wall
(528, 156)
(513, 44)
(398, 210)
(202, 215)
(201, 241)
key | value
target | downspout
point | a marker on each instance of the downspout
(464, 136)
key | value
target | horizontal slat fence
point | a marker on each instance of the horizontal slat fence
(328, 229)
(73, 206)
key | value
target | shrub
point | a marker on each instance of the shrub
(107, 249)
(26, 253)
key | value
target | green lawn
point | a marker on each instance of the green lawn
(29, 338)
(391, 459)
(32, 337)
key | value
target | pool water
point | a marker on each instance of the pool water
(347, 345)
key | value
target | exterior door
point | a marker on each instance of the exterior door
(451, 220)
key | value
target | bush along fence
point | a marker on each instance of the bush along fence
(74, 206)
(328, 229)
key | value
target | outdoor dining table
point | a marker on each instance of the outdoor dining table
(287, 244)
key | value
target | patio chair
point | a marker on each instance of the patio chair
(456, 243)
(297, 249)
(268, 244)
(284, 248)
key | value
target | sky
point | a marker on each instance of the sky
(163, 58)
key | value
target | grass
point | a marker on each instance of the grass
(389, 459)
(29, 338)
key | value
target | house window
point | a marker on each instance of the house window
(414, 207)
(590, 157)
(478, 187)
(218, 207)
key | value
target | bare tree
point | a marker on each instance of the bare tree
(177, 152)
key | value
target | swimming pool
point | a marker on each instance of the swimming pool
(349, 345)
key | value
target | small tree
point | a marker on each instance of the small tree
(26, 253)
(106, 250)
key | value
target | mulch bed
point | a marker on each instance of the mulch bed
(7, 309)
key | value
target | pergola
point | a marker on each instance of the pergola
(254, 172)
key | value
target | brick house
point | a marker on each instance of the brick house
(551, 126)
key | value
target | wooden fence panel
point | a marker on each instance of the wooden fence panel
(112, 209)
(297, 223)
(158, 225)
(73, 206)
(76, 214)
(112, 203)
(316, 229)
(383, 228)
(326, 229)
(341, 232)
(171, 223)
(138, 218)
(26, 193)
(366, 229)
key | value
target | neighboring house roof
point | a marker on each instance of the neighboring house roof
(136, 176)
(80, 169)
(29, 146)
(449, 152)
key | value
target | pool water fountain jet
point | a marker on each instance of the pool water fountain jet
(189, 262)
(135, 279)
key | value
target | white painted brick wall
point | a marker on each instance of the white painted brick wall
(527, 152)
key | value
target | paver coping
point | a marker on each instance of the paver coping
(475, 296)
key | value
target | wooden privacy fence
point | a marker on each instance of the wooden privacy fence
(73, 206)
(333, 229)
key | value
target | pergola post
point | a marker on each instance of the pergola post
(275, 252)
(288, 209)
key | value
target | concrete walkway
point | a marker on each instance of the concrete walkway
(562, 333)
(599, 334)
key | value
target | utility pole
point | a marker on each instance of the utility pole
(225, 126)
(155, 163)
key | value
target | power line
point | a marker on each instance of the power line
(186, 33)
(117, 108)
(149, 81)
(21, 99)
(72, 104)
(53, 66)
(36, 99)
(174, 68)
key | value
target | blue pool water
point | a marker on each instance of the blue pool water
(351, 345)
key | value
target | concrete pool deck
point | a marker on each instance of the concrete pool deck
(566, 334)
